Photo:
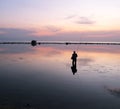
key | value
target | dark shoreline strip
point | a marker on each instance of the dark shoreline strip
(66, 43)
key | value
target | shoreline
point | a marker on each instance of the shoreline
(65, 42)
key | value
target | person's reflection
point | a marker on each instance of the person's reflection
(74, 62)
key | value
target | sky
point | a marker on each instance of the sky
(87, 20)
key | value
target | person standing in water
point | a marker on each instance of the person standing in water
(74, 61)
(74, 58)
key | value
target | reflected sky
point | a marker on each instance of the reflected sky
(41, 76)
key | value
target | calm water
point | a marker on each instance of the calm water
(41, 77)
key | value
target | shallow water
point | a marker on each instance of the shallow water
(41, 77)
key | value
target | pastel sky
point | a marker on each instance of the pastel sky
(60, 19)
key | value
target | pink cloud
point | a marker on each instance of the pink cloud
(78, 36)
(81, 19)
(70, 17)
(85, 21)
(53, 34)
(46, 31)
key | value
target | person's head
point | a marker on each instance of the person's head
(73, 51)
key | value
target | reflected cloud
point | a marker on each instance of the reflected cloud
(85, 61)
(1, 49)
(113, 91)
(21, 58)
(15, 49)
(2, 32)
(47, 51)
(57, 49)
(53, 53)
(90, 48)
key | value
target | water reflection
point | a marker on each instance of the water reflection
(74, 62)
(39, 77)
(74, 69)
(113, 91)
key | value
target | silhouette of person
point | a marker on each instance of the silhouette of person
(74, 61)
(74, 58)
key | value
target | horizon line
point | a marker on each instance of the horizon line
(61, 42)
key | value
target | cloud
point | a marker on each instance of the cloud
(57, 34)
(52, 28)
(85, 21)
(80, 19)
(70, 17)
(15, 34)
(49, 30)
